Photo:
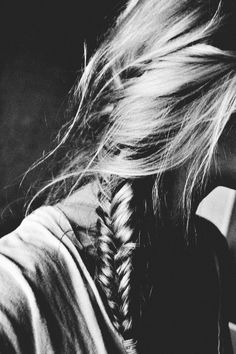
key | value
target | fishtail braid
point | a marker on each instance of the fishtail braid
(105, 271)
(121, 214)
(115, 248)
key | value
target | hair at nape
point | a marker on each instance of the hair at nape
(155, 96)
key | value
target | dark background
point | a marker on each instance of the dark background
(41, 53)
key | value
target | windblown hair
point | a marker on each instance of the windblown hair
(155, 96)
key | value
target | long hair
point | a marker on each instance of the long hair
(155, 96)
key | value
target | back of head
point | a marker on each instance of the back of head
(155, 96)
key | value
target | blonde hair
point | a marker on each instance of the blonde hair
(154, 97)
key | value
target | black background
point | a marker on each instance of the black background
(41, 54)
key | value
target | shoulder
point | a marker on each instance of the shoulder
(210, 235)
(40, 284)
(48, 300)
(43, 238)
(216, 246)
(43, 246)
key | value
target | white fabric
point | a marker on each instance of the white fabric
(48, 300)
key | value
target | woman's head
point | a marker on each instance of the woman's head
(155, 96)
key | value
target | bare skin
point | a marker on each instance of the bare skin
(80, 206)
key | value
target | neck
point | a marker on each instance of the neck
(80, 206)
